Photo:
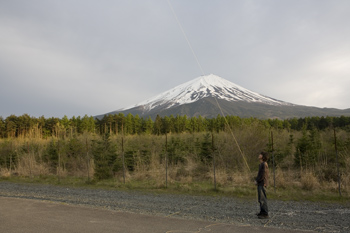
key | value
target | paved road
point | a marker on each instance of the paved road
(33, 216)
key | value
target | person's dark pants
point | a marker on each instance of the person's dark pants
(262, 200)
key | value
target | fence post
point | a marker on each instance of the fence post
(213, 153)
(88, 159)
(123, 159)
(123, 155)
(59, 161)
(273, 164)
(337, 159)
(166, 160)
(29, 161)
(10, 159)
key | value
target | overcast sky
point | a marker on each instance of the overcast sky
(77, 57)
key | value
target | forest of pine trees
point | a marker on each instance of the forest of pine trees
(131, 147)
(26, 126)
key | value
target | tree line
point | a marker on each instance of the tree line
(27, 126)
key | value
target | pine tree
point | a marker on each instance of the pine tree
(206, 149)
(105, 158)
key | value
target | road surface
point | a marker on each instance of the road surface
(18, 215)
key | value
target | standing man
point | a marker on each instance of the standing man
(262, 181)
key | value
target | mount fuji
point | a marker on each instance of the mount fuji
(211, 95)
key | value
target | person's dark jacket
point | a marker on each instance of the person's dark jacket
(263, 174)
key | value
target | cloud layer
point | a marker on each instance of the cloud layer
(86, 57)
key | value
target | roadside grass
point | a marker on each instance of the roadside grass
(198, 188)
(189, 170)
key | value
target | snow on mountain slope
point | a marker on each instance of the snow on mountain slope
(202, 87)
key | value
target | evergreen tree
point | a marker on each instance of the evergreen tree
(206, 149)
(65, 124)
(157, 125)
(2, 127)
(11, 126)
(87, 124)
(175, 150)
(121, 123)
(105, 158)
(201, 124)
(50, 156)
(75, 153)
(308, 148)
(193, 124)
(8, 156)
(137, 123)
(177, 124)
(166, 125)
(129, 124)
(148, 125)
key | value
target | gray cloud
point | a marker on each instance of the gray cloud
(87, 57)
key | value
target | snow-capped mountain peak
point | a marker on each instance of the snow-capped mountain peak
(202, 87)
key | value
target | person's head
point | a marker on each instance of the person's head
(263, 156)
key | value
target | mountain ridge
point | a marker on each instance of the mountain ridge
(211, 95)
(202, 87)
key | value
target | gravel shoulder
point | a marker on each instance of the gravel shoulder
(283, 214)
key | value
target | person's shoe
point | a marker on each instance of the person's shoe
(263, 216)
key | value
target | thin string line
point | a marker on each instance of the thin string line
(200, 67)
(239, 148)
(188, 42)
